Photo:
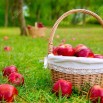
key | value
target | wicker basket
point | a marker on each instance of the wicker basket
(34, 31)
(77, 79)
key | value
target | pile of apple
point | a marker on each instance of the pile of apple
(80, 50)
(64, 88)
(8, 91)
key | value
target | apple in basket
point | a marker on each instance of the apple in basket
(16, 78)
(65, 50)
(79, 47)
(55, 50)
(8, 70)
(29, 27)
(98, 56)
(96, 94)
(62, 87)
(85, 53)
(7, 93)
(40, 25)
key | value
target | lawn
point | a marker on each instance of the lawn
(27, 53)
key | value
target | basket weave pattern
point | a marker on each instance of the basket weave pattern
(77, 79)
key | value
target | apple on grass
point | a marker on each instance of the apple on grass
(8, 70)
(96, 94)
(65, 50)
(57, 36)
(62, 87)
(7, 48)
(7, 93)
(6, 38)
(16, 78)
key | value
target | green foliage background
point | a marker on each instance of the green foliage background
(48, 11)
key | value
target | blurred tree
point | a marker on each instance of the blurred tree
(47, 11)
(21, 17)
(17, 11)
(6, 13)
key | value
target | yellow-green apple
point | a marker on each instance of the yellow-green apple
(9, 69)
(16, 78)
(7, 93)
(62, 86)
(7, 48)
(65, 50)
(96, 94)
(98, 56)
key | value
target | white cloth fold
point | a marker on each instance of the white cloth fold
(72, 64)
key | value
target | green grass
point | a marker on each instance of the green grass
(26, 55)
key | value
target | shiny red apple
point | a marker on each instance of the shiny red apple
(16, 78)
(55, 50)
(86, 52)
(65, 50)
(98, 56)
(7, 48)
(8, 70)
(96, 94)
(62, 87)
(79, 47)
(7, 93)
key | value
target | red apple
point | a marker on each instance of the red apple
(65, 50)
(55, 50)
(29, 27)
(40, 25)
(98, 56)
(8, 70)
(86, 52)
(96, 94)
(7, 93)
(62, 86)
(79, 47)
(7, 48)
(16, 78)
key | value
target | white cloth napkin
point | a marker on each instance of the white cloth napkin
(77, 64)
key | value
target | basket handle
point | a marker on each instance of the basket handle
(50, 45)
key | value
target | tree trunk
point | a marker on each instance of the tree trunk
(6, 13)
(21, 18)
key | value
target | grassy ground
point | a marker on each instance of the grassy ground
(27, 52)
